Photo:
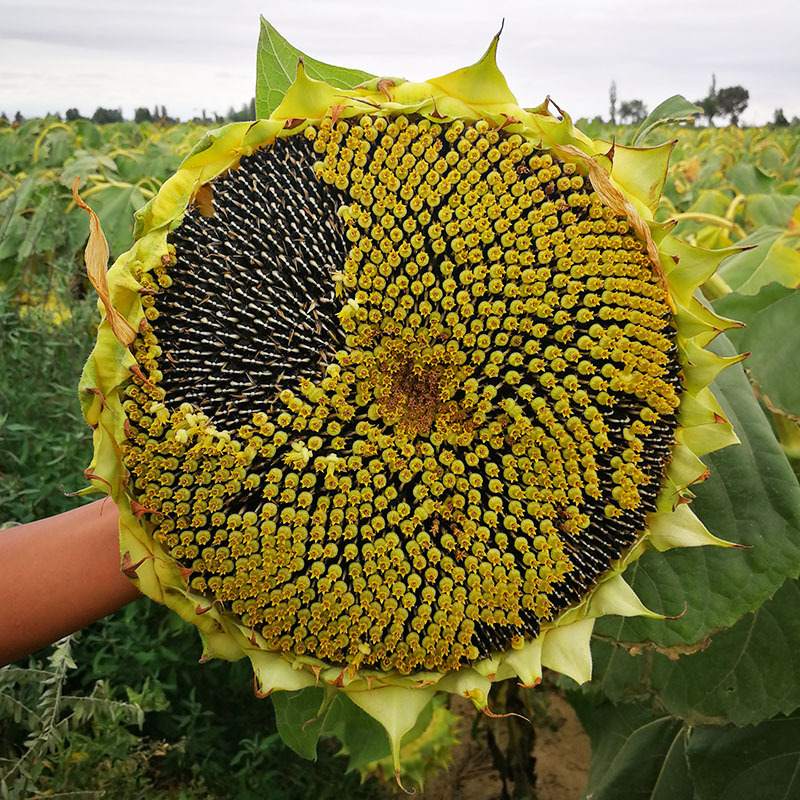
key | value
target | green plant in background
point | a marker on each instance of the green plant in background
(699, 709)
(40, 718)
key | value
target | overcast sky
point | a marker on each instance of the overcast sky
(191, 55)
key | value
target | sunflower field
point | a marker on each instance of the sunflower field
(704, 704)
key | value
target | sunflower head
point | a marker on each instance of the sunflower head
(394, 384)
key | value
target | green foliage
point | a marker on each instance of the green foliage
(54, 741)
(674, 109)
(635, 754)
(640, 753)
(119, 167)
(741, 763)
(277, 66)
(44, 443)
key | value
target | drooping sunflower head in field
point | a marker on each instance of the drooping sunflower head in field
(394, 384)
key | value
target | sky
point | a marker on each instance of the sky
(191, 55)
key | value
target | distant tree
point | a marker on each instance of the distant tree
(73, 114)
(245, 113)
(632, 112)
(612, 98)
(232, 115)
(103, 116)
(18, 118)
(779, 119)
(160, 115)
(3, 118)
(732, 101)
(142, 114)
(709, 103)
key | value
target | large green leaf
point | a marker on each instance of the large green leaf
(772, 258)
(772, 159)
(674, 109)
(36, 227)
(116, 205)
(771, 209)
(634, 754)
(759, 761)
(772, 339)
(752, 498)
(297, 720)
(747, 178)
(747, 674)
(277, 64)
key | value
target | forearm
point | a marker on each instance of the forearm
(58, 575)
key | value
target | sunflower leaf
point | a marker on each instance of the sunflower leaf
(771, 339)
(634, 753)
(742, 763)
(674, 109)
(277, 64)
(747, 672)
(296, 714)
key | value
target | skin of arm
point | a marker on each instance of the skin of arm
(58, 575)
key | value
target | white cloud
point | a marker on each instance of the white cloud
(190, 55)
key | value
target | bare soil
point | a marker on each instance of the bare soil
(559, 767)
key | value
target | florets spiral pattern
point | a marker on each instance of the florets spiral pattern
(405, 396)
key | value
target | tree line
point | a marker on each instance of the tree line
(729, 102)
(157, 114)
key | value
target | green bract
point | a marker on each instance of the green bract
(393, 386)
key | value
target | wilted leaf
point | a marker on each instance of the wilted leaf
(116, 206)
(96, 257)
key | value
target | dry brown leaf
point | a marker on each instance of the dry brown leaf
(96, 257)
(204, 200)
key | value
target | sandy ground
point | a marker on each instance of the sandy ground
(561, 753)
